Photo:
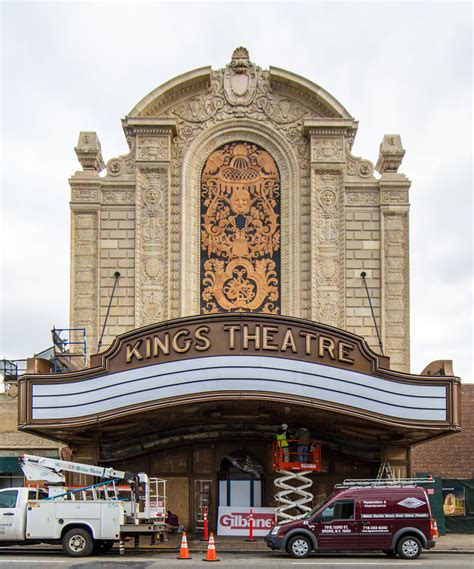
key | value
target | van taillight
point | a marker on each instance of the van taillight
(433, 528)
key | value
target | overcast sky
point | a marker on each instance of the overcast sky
(397, 67)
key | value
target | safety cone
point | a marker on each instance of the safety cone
(184, 551)
(211, 550)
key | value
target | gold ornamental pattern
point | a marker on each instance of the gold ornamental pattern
(240, 231)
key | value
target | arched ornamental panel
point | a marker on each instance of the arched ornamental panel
(240, 231)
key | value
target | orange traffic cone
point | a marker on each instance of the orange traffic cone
(184, 551)
(211, 550)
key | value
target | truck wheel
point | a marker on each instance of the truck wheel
(299, 547)
(78, 542)
(409, 547)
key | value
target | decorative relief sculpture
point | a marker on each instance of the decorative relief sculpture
(327, 150)
(327, 245)
(240, 231)
(151, 247)
(85, 195)
(240, 78)
(362, 197)
(152, 148)
(394, 196)
(396, 289)
(85, 274)
(112, 196)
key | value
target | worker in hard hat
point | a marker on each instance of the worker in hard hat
(282, 443)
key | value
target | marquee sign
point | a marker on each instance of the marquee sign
(217, 357)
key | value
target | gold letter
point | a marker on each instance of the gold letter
(134, 351)
(187, 342)
(289, 340)
(232, 328)
(344, 350)
(308, 337)
(326, 344)
(199, 334)
(251, 337)
(268, 332)
(148, 347)
(159, 345)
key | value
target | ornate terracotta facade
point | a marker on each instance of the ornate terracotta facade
(297, 250)
(240, 231)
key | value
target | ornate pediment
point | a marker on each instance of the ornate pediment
(240, 89)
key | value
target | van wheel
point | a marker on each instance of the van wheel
(299, 547)
(390, 552)
(409, 547)
(78, 542)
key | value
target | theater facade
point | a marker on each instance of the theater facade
(263, 278)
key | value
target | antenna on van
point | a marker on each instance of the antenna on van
(363, 274)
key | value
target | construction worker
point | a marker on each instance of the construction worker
(302, 436)
(282, 443)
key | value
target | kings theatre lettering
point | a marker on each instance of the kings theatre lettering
(252, 338)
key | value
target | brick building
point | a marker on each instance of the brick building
(450, 457)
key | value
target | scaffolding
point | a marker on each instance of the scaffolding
(69, 349)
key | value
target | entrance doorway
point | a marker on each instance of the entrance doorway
(240, 481)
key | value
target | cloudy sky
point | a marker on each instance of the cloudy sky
(397, 67)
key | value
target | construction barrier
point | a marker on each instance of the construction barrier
(250, 526)
(206, 525)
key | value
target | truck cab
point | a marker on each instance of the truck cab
(13, 502)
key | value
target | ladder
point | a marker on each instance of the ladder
(293, 494)
(106, 490)
(385, 471)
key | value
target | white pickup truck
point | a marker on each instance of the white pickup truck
(28, 517)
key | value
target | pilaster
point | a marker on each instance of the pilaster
(327, 225)
(394, 208)
(85, 226)
(152, 204)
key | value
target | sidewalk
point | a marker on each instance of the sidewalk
(451, 543)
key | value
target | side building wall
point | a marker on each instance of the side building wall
(453, 456)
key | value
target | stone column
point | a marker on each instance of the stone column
(327, 226)
(152, 225)
(85, 210)
(394, 209)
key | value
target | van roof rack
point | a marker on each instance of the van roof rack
(383, 482)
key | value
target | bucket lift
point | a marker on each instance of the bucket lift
(293, 484)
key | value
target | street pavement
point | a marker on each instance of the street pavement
(271, 560)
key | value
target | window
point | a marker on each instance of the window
(8, 498)
(342, 510)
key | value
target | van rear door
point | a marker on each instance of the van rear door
(337, 526)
